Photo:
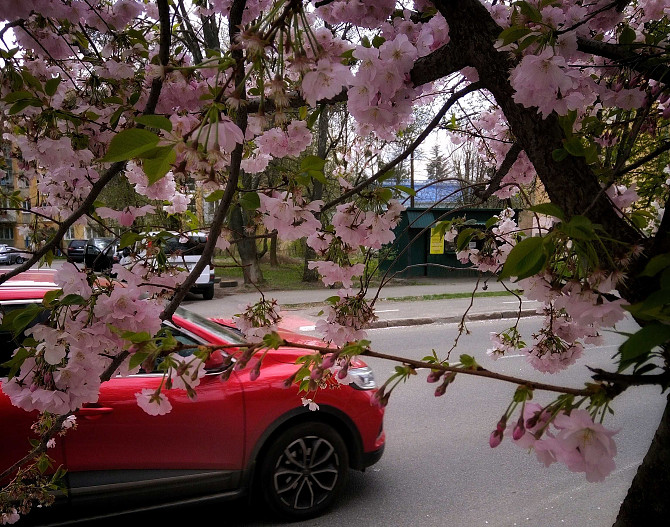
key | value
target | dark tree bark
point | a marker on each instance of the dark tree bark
(274, 261)
(649, 494)
(311, 275)
(246, 247)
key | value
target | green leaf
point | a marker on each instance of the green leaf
(574, 147)
(18, 96)
(128, 238)
(214, 196)
(386, 175)
(468, 361)
(158, 162)
(656, 265)
(30, 80)
(627, 36)
(23, 104)
(529, 11)
(559, 154)
(313, 117)
(155, 121)
(384, 194)
(129, 144)
(548, 209)
(18, 320)
(250, 201)
(642, 342)
(313, 167)
(579, 228)
(512, 34)
(377, 41)
(406, 190)
(50, 296)
(272, 340)
(137, 358)
(72, 300)
(464, 238)
(51, 86)
(136, 337)
(527, 258)
(114, 119)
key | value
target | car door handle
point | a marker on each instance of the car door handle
(94, 412)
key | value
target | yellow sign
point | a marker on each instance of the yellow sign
(436, 242)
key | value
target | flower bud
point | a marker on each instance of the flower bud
(329, 361)
(344, 371)
(519, 429)
(434, 376)
(496, 438)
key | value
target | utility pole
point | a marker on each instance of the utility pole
(411, 175)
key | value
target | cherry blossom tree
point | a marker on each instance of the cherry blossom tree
(571, 96)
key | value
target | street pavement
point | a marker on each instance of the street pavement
(403, 303)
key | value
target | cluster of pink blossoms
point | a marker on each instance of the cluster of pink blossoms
(575, 314)
(494, 251)
(575, 440)
(64, 371)
(381, 95)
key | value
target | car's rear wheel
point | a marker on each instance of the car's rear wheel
(208, 293)
(19, 260)
(304, 470)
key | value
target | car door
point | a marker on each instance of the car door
(119, 451)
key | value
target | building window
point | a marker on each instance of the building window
(6, 233)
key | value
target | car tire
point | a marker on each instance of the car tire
(208, 293)
(19, 260)
(304, 471)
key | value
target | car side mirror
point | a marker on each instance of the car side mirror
(215, 360)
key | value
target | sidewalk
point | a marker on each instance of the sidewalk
(400, 304)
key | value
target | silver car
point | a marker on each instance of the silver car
(11, 255)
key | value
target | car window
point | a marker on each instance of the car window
(230, 335)
(103, 243)
(181, 337)
(187, 245)
(8, 342)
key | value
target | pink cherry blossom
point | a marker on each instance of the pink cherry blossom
(152, 402)
(585, 446)
(72, 281)
(127, 216)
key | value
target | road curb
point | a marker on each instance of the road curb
(452, 319)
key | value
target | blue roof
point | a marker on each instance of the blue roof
(442, 193)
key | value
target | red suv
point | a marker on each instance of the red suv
(238, 437)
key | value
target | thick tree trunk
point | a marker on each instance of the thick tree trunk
(274, 261)
(311, 275)
(648, 500)
(246, 247)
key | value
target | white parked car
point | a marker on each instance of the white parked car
(184, 250)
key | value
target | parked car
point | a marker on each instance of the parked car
(101, 253)
(185, 250)
(76, 250)
(239, 437)
(12, 255)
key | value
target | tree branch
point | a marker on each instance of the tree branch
(436, 120)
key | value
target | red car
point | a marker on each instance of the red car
(239, 437)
